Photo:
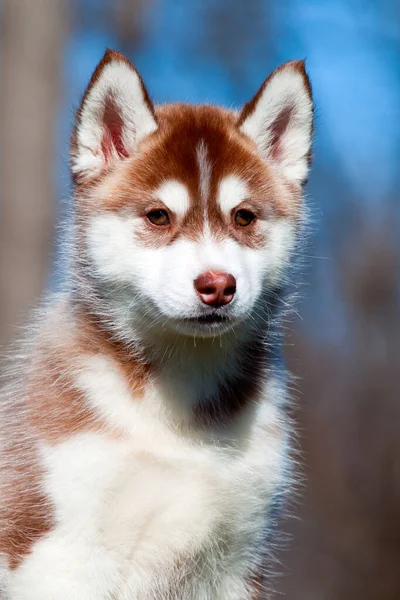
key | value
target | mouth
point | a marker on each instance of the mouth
(207, 324)
(209, 319)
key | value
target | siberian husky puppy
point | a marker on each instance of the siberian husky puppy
(143, 438)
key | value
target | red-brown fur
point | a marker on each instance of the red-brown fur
(54, 408)
(27, 514)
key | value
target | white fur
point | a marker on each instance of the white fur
(175, 196)
(130, 506)
(122, 82)
(205, 171)
(232, 191)
(285, 89)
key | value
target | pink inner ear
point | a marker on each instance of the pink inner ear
(278, 128)
(113, 129)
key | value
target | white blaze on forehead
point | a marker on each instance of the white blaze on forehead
(175, 196)
(232, 191)
(204, 171)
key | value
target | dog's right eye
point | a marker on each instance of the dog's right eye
(158, 217)
(244, 217)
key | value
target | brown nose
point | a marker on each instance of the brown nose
(215, 288)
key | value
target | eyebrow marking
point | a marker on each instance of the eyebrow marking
(232, 191)
(175, 196)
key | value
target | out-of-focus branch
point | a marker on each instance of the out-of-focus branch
(32, 40)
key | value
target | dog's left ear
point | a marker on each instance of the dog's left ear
(279, 119)
(116, 113)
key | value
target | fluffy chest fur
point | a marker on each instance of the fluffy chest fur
(144, 507)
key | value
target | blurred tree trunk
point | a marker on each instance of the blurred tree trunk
(33, 34)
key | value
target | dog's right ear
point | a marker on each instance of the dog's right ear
(115, 114)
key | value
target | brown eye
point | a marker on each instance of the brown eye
(158, 217)
(244, 217)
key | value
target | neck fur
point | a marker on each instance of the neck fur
(215, 378)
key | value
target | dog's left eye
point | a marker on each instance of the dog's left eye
(244, 217)
(158, 217)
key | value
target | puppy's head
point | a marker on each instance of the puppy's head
(187, 215)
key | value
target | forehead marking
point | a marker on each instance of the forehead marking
(232, 191)
(204, 171)
(175, 196)
(204, 179)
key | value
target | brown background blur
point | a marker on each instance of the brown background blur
(345, 350)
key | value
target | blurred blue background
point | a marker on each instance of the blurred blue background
(344, 343)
